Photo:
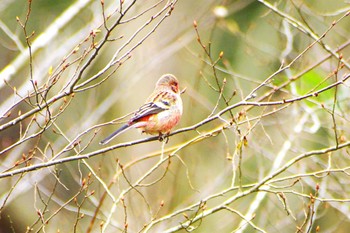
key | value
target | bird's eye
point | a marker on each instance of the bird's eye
(174, 86)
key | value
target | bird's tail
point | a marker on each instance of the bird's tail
(115, 133)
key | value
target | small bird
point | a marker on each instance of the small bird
(161, 112)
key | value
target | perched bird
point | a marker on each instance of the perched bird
(161, 112)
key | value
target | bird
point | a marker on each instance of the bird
(161, 112)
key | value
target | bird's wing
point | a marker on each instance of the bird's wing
(149, 109)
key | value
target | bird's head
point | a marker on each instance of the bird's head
(169, 80)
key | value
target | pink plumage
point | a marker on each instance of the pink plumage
(161, 112)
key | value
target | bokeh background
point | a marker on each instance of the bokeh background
(263, 166)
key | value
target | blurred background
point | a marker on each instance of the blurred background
(70, 70)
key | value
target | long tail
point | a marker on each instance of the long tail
(115, 133)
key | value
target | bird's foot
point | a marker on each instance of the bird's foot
(163, 137)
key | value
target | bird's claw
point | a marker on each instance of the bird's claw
(163, 137)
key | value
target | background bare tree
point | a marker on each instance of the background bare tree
(263, 145)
